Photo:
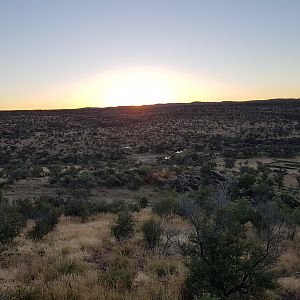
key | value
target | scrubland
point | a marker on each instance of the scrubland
(192, 201)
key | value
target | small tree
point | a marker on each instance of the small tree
(222, 258)
(123, 227)
(152, 232)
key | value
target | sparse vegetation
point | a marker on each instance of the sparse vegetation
(197, 201)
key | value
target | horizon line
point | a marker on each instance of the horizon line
(147, 105)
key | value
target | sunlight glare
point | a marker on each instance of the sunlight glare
(136, 87)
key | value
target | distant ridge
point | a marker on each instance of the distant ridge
(279, 101)
(262, 101)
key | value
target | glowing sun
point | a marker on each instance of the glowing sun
(136, 87)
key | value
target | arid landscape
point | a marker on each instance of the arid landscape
(149, 150)
(127, 202)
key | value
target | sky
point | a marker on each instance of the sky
(83, 53)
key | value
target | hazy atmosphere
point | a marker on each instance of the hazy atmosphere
(70, 54)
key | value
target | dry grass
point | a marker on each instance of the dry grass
(81, 261)
(291, 286)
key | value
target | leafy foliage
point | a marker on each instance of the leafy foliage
(224, 258)
(166, 205)
(11, 223)
(123, 227)
(46, 218)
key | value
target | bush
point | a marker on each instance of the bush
(133, 207)
(166, 205)
(77, 208)
(208, 296)
(37, 172)
(71, 180)
(20, 173)
(23, 293)
(119, 275)
(113, 181)
(163, 267)
(229, 162)
(143, 202)
(222, 258)
(246, 181)
(123, 227)
(262, 192)
(11, 223)
(152, 232)
(45, 223)
(71, 267)
(279, 179)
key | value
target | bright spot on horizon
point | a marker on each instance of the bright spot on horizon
(136, 87)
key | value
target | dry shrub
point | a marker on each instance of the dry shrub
(163, 267)
(290, 262)
(291, 286)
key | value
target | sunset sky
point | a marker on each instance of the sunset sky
(80, 53)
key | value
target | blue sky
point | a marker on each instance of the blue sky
(248, 49)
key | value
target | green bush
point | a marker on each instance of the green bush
(45, 223)
(152, 232)
(123, 227)
(77, 208)
(222, 258)
(167, 205)
(11, 223)
(20, 173)
(143, 202)
(133, 207)
(246, 181)
(72, 180)
(262, 192)
(37, 172)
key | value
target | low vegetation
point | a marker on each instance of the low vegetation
(195, 202)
